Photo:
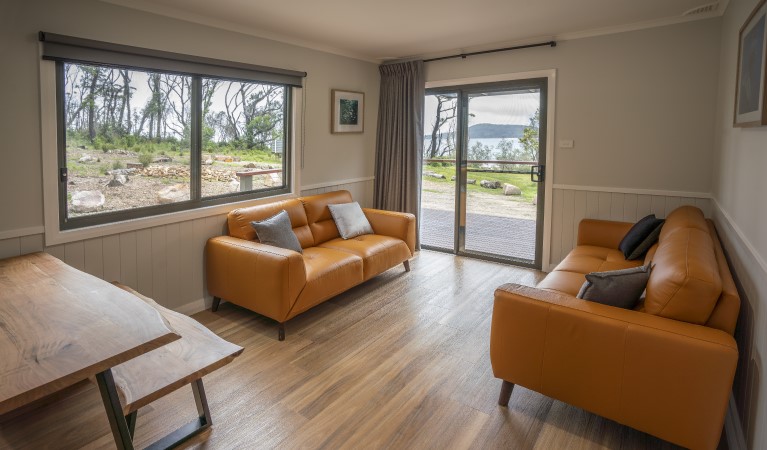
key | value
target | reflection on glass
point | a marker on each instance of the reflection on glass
(127, 138)
(243, 139)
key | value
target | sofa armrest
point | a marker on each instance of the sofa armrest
(668, 378)
(602, 233)
(393, 224)
(262, 278)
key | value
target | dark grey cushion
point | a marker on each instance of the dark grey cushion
(350, 220)
(648, 242)
(621, 288)
(637, 234)
(277, 231)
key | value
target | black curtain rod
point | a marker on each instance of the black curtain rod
(505, 49)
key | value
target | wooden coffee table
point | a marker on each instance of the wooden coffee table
(59, 326)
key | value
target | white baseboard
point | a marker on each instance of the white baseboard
(192, 307)
(736, 440)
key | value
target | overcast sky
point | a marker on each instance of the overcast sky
(506, 109)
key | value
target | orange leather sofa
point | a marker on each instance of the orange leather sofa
(280, 283)
(665, 368)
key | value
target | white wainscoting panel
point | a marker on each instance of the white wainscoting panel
(165, 262)
(571, 204)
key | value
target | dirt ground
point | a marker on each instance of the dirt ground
(144, 184)
(441, 196)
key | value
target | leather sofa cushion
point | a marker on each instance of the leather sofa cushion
(685, 283)
(378, 253)
(328, 273)
(683, 218)
(586, 259)
(320, 221)
(239, 220)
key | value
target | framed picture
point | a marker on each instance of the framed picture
(751, 89)
(348, 111)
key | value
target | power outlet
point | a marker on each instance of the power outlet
(566, 143)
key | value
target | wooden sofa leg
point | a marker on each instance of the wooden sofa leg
(506, 389)
(216, 302)
(281, 332)
(406, 263)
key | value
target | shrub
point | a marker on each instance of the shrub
(116, 165)
(104, 168)
(145, 158)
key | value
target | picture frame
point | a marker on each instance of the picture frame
(751, 75)
(347, 112)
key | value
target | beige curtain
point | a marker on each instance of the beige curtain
(399, 143)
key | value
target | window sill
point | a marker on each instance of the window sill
(54, 236)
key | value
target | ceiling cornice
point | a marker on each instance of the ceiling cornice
(176, 13)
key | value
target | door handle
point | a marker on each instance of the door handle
(537, 173)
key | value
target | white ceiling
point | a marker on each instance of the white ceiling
(390, 29)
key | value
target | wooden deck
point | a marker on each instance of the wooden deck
(398, 362)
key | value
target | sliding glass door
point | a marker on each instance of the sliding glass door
(484, 165)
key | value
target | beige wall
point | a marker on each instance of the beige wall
(740, 190)
(639, 105)
(328, 158)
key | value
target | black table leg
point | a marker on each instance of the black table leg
(114, 410)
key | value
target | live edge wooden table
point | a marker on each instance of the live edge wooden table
(59, 326)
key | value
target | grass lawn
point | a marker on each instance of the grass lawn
(522, 181)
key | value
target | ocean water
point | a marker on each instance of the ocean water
(490, 142)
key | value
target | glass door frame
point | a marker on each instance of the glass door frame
(462, 146)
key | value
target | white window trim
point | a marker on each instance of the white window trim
(54, 235)
(551, 75)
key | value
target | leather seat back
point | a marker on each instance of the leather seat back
(239, 220)
(685, 283)
(321, 223)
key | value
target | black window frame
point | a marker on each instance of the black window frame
(196, 200)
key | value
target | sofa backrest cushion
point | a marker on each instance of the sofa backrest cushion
(320, 221)
(685, 283)
(725, 314)
(239, 220)
(682, 218)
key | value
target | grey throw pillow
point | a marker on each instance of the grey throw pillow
(621, 288)
(277, 231)
(350, 220)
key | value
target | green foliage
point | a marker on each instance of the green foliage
(104, 169)
(145, 158)
(480, 152)
(117, 165)
(529, 139)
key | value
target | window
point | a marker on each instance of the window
(141, 135)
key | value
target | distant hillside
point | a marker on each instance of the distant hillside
(495, 131)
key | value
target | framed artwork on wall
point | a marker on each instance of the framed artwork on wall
(348, 111)
(751, 85)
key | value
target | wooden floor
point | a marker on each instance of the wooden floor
(399, 362)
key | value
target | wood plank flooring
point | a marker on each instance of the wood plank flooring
(399, 362)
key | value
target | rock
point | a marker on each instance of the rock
(118, 180)
(471, 181)
(535, 199)
(208, 162)
(452, 178)
(81, 147)
(122, 152)
(87, 159)
(434, 175)
(236, 159)
(224, 158)
(131, 165)
(172, 194)
(249, 165)
(490, 184)
(510, 189)
(121, 171)
(87, 201)
(163, 159)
